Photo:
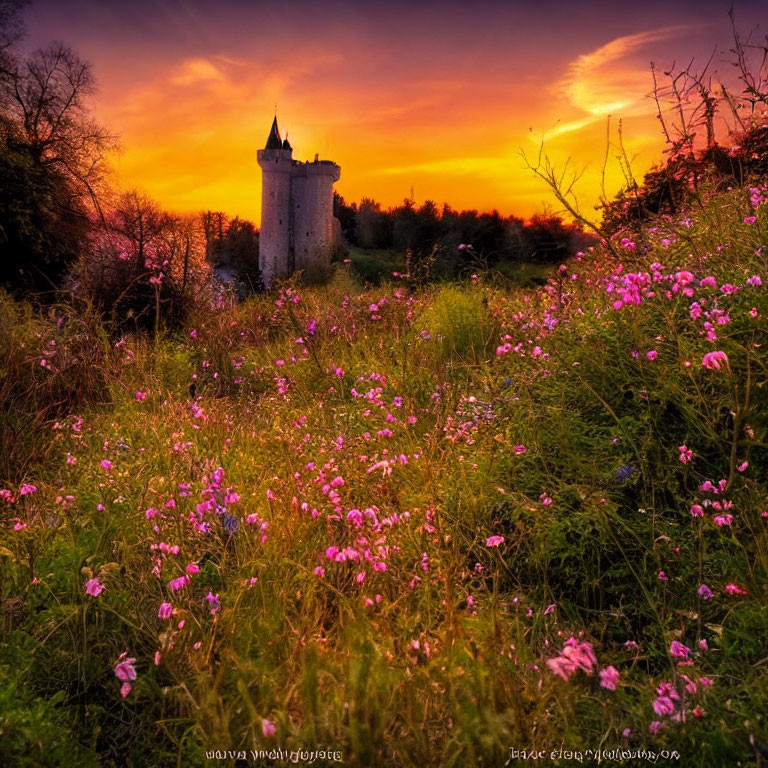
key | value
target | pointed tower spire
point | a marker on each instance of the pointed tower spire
(274, 141)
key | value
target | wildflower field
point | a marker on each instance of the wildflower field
(413, 525)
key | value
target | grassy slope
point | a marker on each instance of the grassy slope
(439, 440)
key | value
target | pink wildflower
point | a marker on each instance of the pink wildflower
(125, 671)
(712, 360)
(580, 653)
(178, 583)
(561, 667)
(679, 651)
(663, 706)
(93, 587)
(609, 677)
(494, 541)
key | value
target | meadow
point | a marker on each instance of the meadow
(411, 524)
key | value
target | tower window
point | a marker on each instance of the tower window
(280, 221)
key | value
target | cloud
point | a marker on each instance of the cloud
(194, 71)
(606, 80)
(570, 127)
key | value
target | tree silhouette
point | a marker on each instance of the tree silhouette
(51, 160)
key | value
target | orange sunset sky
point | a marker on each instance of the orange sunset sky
(435, 96)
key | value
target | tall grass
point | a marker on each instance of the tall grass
(422, 496)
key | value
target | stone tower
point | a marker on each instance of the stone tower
(297, 223)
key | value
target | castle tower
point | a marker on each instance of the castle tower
(297, 223)
(275, 233)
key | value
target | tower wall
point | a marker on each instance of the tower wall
(275, 233)
(312, 207)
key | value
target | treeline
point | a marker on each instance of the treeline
(429, 228)
(232, 247)
(673, 186)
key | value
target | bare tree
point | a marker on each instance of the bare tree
(562, 183)
(142, 225)
(750, 59)
(11, 29)
(48, 117)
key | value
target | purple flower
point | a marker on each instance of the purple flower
(230, 523)
(705, 591)
(213, 601)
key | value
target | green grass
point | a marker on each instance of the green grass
(525, 274)
(406, 428)
(372, 265)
